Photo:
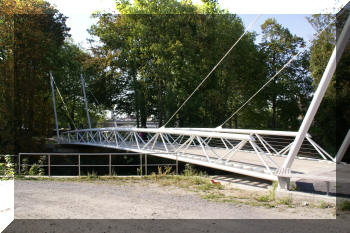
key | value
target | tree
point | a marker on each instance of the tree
(289, 92)
(31, 33)
(162, 57)
(72, 62)
(331, 122)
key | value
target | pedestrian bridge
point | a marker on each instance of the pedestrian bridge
(257, 153)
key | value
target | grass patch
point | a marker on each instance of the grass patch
(324, 205)
(265, 198)
(213, 196)
(344, 206)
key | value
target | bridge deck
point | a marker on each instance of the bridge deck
(253, 153)
(242, 160)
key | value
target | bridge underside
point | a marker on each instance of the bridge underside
(254, 153)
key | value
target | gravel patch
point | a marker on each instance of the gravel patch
(138, 200)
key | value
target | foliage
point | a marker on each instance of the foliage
(332, 111)
(159, 58)
(2, 168)
(343, 205)
(34, 170)
(288, 94)
(10, 166)
(31, 32)
(24, 166)
(72, 62)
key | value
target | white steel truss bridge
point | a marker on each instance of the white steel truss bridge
(257, 153)
(270, 155)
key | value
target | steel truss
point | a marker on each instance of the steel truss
(257, 153)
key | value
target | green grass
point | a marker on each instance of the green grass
(343, 206)
(285, 201)
(324, 205)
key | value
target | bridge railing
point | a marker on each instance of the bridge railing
(277, 142)
(217, 148)
(105, 161)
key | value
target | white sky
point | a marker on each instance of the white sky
(79, 12)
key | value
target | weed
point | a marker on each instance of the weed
(272, 192)
(344, 206)
(9, 166)
(285, 201)
(189, 170)
(24, 166)
(205, 187)
(2, 169)
(198, 180)
(213, 196)
(92, 175)
(114, 172)
(34, 170)
(265, 198)
(324, 205)
(167, 171)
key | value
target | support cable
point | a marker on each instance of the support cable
(98, 103)
(274, 76)
(213, 69)
(64, 104)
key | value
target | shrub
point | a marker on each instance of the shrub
(10, 166)
(344, 206)
(2, 169)
(34, 170)
(189, 171)
(25, 166)
(91, 175)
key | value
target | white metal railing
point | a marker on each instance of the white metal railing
(216, 148)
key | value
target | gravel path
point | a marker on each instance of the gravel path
(108, 200)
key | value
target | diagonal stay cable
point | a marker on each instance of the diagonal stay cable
(274, 76)
(64, 104)
(98, 103)
(213, 69)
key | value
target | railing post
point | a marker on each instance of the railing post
(110, 165)
(19, 164)
(48, 165)
(141, 164)
(79, 164)
(146, 164)
(177, 164)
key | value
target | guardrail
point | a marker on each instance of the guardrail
(49, 165)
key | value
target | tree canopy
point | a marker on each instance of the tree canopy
(146, 61)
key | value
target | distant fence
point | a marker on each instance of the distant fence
(142, 165)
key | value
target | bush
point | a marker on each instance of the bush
(2, 169)
(10, 166)
(24, 166)
(189, 171)
(34, 170)
(344, 206)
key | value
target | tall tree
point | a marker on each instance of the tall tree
(163, 57)
(331, 122)
(288, 93)
(31, 32)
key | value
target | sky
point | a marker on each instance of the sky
(291, 14)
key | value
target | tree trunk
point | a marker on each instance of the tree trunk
(274, 112)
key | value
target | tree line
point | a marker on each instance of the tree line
(148, 59)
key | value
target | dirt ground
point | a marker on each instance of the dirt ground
(136, 200)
